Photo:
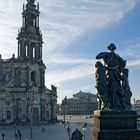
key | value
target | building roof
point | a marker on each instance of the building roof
(81, 97)
(84, 95)
(138, 102)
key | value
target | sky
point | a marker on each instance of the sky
(74, 32)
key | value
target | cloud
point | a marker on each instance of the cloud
(68, 68)
(61, 21)
(68, 60)
(134, 63)
(59, 76)
(9, 25)
(66, 20)
(131, 49)
(70, 91)
(83, 67)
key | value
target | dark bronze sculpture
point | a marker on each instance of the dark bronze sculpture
(112, 81)
(101, 85)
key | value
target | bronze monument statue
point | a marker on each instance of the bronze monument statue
(114, 119)
(112, 86)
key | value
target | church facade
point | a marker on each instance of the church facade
(23, 94)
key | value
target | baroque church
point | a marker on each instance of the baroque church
(23, 94)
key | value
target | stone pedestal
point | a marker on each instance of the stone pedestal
(111, 125)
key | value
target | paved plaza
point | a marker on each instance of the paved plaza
(51, 132)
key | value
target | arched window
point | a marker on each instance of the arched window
(33, 76)
(33, 52)
(26, 50)
(34, 22)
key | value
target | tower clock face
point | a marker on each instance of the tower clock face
(8, 76)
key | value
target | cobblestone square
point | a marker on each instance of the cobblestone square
(51, 132)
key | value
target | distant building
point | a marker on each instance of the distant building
(58, 109)
(137, 102)
(136, 106)
(22, 79)
(82, 103)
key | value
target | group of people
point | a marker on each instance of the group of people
(17, 135)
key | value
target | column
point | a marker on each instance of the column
(18, 49)
(23, 21)
(31, 51)
(37, 19)
(24, 49)
(40, 52)
(28, 50)
(21, 50)
(36, 52)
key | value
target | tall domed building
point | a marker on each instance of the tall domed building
(23, 94)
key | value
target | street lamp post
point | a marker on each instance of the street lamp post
(84, 129)
(27, 105)
(2, 110)
(65, 100)
(69, 131)
(40, 117)
(41, 109)
(30, 101)
(31, 121)
(51, 107)
(14, 119)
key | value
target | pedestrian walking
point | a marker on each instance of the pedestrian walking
(19, 134)
(3, 136)
(68, 123)
(38, 125)
(43, 129)
(16, 136)
(69, 130)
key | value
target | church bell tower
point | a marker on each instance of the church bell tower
(30, 45)
(30, 37)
